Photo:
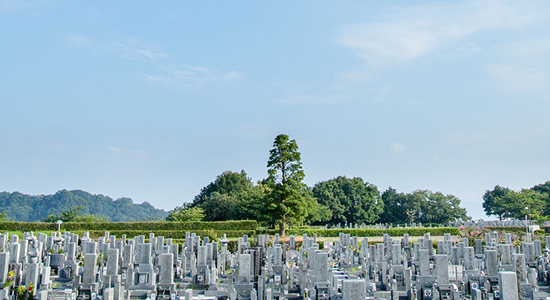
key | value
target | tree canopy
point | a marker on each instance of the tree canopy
(27, 208)
(186, 213)
(283, 198)
(350, 200)
(226, 183)
(232, 196)
(506, 203)
(74, 215)
(421, 206)
(286, 201)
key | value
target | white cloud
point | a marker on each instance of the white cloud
(416, 31)
(8, 6)
(397, 148)
(113, 149)
(523, 65)
(132, 48)
(190, 76)
(519, 78)
(463, 50)
(126, 47)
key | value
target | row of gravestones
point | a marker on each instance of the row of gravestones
(378, 226)
(454, 271)
(495, 223)
(66, 265)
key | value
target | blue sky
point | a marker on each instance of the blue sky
(152, 101)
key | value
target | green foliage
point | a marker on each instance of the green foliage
(112, 226)
(186, 214)
(493, 202)
(506, 203)
(376, 232)
(542, 188)
(74, 215)
(10, 279)
(26, 208)
(286, 201)
(89, 219)
(316, 212)
(232, 196)
(351, 200)
(226, 183)
(174, 234)
(3, 216)
(441, 209)
(420, 206)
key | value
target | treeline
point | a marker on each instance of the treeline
(504, 203)
(27, 208)
(233, 196)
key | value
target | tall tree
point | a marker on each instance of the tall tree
(351, 200)
(286, 202)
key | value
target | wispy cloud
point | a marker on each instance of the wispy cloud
(518, 78)
(523, 65)
(397, 148)
(131, 48)
(8, 6)
(412, 32)
(125, 47)
(190, 76)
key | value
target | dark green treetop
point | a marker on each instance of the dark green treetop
(350, 200)
(286, 201)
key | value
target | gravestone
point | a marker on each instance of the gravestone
(354, 289)
(508, 286)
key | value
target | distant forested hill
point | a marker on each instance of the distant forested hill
(27, 208)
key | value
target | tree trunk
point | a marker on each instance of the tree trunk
(282, 225)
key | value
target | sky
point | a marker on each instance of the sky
(152, 101)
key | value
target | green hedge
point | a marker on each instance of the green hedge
(111, 226)
(174, 234)
(376, 232)
(271, 232)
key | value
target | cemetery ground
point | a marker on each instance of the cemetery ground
(493, 264)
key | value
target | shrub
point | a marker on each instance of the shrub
(376, 232)
(111, 226)
(174, 234)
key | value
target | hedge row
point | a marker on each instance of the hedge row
(375, 232)
(111, 226)
(174, 234)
